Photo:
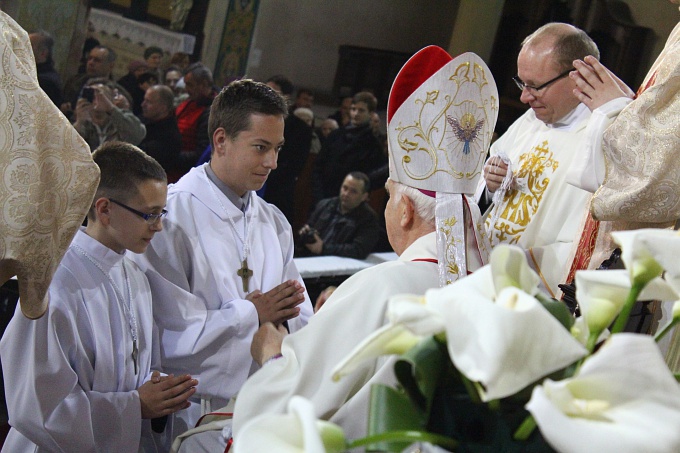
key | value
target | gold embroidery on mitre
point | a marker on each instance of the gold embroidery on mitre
(522, 201)
(450, 131)
(451, 241)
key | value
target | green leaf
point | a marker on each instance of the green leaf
(558, 309)
(393, 410)
(419, 369)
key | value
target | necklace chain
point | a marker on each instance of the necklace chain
(244, 240)
(127, 309)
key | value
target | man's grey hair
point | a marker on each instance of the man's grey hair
(111, 54)
(570, 43)
(424, 205)
(165, 96)
(200, 73)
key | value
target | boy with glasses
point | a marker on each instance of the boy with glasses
(80, 378)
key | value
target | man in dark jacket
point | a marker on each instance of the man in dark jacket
(344, 225)
(48, 77)
(354, 147)
(163, 140)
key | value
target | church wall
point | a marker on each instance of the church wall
(659, 15)
(301, 38)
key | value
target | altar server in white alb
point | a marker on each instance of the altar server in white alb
(441, 115)
(223, 264)
(79, 379)
(533, 205)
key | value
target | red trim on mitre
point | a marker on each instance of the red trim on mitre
(420, 67)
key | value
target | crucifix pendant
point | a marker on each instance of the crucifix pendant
(135, 354)
(245, 274)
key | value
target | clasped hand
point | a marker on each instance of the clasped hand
(165, 395)
(278, 304)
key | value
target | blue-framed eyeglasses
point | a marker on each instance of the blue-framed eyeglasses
(148, 218)
(521, 85)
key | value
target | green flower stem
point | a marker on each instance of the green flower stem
(406, 436)
(471, 388)
(677, 376)
(525, 429)
(660, 334)
(622, 319)
(592, 341)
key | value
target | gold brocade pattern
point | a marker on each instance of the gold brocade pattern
(522, 201)
(642, 181)
(47, 177)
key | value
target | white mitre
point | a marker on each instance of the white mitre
(440, 119)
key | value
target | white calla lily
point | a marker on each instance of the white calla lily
(664, 245)
(635, 253)
(602, 294)
(623, 399)
(506, 343)
(416, 314)
(581, 332)
(298, 431)
(389, 339)
(509, 267)
(410, 320)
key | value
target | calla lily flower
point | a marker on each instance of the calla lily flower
(602, 294)
(623, 399)
(299, 431)
(505, 342)
(497, 333)
(509, 268)
(639, 261)
(664, 245)
(410, 320)
(581, 332)
(389, 339)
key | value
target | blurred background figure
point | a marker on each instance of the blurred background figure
(131, 84)
(103, 114)
(48, 77)
(163, 141)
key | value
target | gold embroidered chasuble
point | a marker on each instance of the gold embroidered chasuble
(641, 150)
(541, 212)
(47, 173)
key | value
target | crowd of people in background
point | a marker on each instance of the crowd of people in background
(171, 123)
(249, 170)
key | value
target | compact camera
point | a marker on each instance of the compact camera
(88, 94)
(308, 237)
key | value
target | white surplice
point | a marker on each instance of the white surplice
(353, 312)
(205, 322)
(69, 376)
(541, 212)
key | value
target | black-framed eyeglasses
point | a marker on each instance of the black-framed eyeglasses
(148, 218)
(521, 85)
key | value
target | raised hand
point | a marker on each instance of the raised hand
(596, 85)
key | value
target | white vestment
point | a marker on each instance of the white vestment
(70, 378)
(353, 312)
(205, 322)
(541, 212)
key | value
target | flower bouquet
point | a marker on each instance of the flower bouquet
(490, 363)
